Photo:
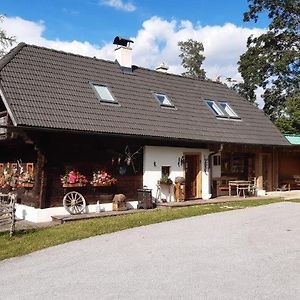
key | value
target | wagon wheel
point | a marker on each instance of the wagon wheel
(74, 203)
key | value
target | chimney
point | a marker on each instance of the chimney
(162, 68)
(123, 52)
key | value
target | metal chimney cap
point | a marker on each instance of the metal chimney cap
(122, 41)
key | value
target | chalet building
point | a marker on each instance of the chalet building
(124, 127)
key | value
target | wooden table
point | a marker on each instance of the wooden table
(240, 185)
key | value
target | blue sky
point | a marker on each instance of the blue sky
(93, 21)
(89, 27)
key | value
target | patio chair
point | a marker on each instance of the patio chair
(252, 187)
(283, 188)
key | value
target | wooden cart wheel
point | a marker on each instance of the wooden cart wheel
(74, 203)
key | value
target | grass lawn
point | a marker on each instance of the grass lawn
(27, 241)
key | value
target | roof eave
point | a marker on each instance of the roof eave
(111, 134)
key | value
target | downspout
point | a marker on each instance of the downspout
(210, 165)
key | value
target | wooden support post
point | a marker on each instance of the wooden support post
(259, 171)
(40, 179)
(13, 216)
(275, 170)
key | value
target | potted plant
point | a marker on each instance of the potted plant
(166, 180)
(26, 180)
(9, 179)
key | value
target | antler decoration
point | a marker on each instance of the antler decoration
(19, 162)
(129, 157)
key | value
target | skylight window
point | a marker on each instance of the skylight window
(104, 94)
(222, 109)
(215, 108)
(163, 100)
(226, 107)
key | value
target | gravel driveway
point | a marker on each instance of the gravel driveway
(252, 253)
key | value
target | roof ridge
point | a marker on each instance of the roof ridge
(11, 54)
(178, 75)
(113, 62)
(70, 53)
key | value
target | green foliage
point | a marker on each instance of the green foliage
(290, 121)
(5, 40)
(192, 58)
(242, 89)
(272, 60)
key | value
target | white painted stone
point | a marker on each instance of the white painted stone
(261, 193)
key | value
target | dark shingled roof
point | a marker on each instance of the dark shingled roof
(46, 88)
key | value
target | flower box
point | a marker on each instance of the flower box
(101, 178)
(73, 179)
(72, 185)
(101, 184)
(27, 185)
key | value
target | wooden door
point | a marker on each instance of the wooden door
(192, 163)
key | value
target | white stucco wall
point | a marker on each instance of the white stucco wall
(155, 157)
(38, 215)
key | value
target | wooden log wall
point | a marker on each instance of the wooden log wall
(87, 155)
(289, 168)
(17, 149)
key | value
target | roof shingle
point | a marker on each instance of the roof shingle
(51, 89)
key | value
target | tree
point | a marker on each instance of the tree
(242, 89)
(5, 40)
(192, 58)
(272, 60)
(290, 121)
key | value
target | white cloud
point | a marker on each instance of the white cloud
(32, 33)
(223, 45)
(155, 42)
(119, 4)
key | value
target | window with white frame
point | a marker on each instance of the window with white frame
(226, 107)
(222, 109)
(104, 94)
(215, 108)
(3, 122)
(217, 160)
(163, 100)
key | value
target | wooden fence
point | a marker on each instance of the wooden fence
(7, 211)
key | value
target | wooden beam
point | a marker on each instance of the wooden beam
(259, 171)
(275, 169)
(269, 171)
(40, 180)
